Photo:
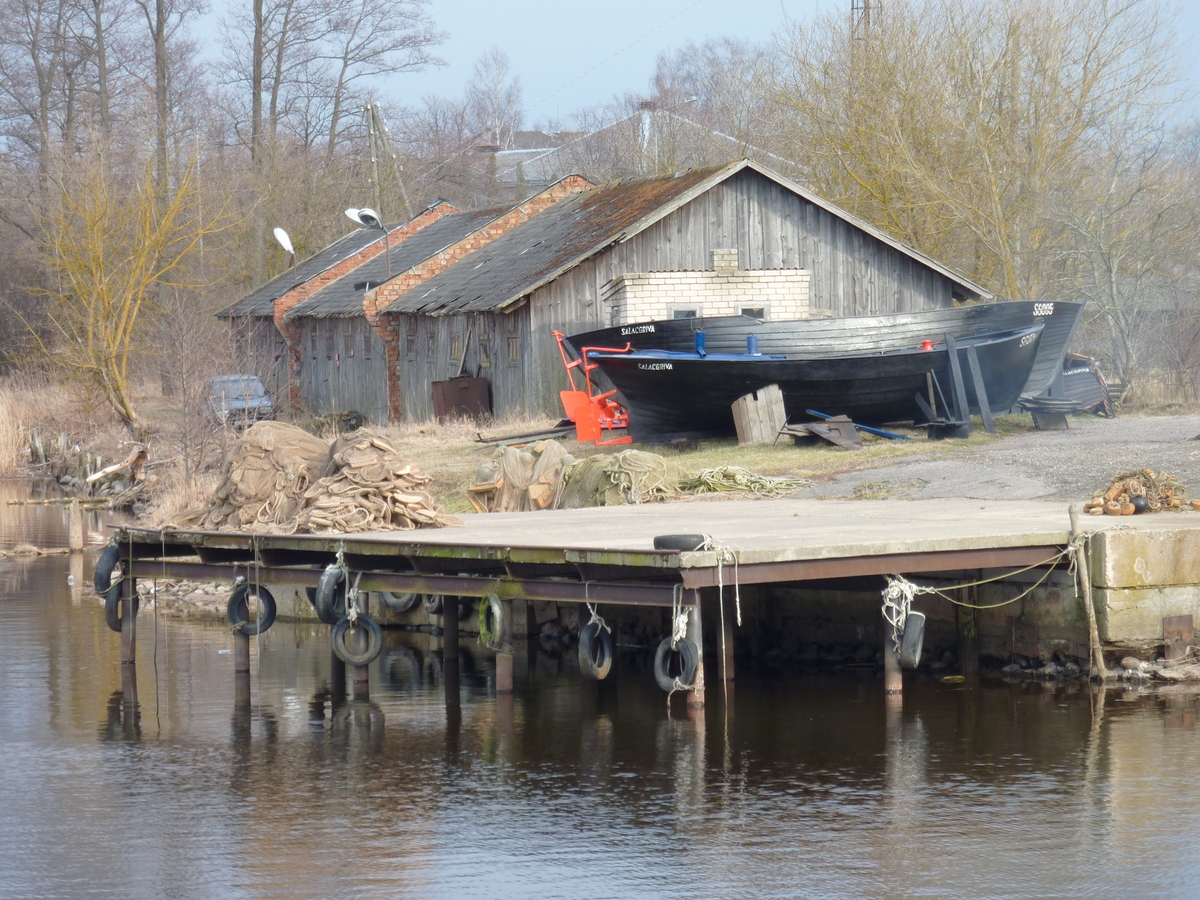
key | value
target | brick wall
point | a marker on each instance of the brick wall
(377, 300)
(292, 331)
(782, 293)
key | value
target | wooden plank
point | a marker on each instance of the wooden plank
(985, 410)
(759, 416)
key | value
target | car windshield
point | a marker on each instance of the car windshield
(238, 386)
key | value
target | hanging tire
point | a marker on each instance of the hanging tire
(689, 661)
(342, 638)
(105, 566)
(912, 640)
(330, 598)
(595, 651)
(112, 607)
(399, 603)
(237, 611)
(492, 608)
(683, 542)
(432, 604)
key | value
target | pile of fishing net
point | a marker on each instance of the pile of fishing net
(516, 479)
(1138, 492)
(545, 476)
(283, 480)
(631, 476)
(368, 487)
(737, 478)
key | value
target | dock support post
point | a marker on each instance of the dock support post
(128, 622)
(337, 679)
(695, 634)
(968, 635)
(504, 657)
(241, 652)
(74, 527)
(893, 681)
(450, 631)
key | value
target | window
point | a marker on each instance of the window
(514, 348)
(485, 352)
(410, 349)
(754, 312)
(456, 347)
(685, 312)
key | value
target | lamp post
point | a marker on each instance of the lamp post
(368, 218)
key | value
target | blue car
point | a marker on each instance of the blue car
(238, 400)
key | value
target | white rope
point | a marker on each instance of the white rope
(679, 617)
(596, 617)
(897, 603)
(725, 556)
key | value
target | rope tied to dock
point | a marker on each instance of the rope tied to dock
(899, 594)
(596, 617)
(679, 617)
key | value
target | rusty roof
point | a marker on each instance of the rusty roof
(343, 297)
(541, 249)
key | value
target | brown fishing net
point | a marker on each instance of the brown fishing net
(517, 479)
(283, 480)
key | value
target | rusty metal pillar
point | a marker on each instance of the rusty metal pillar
(450, 631)
(128, 621)
(504, 656)
(695, 634)
(337, 678)
(893, 681)
(968, 633)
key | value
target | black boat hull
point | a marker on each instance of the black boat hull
(685, 395)
(857, 335)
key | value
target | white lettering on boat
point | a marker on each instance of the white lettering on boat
(637, 329)
(656, 367)
(1043, 309)
(1028, 339)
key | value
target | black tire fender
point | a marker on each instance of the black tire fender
(330, 598)
(399, 603)
(112, 607)
(683, 542)
(237, 610)
(595, 651)
(689, 661)
(432, 604)
(342, 638)
(492, 608)
(105, 566)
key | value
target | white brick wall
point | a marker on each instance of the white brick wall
(784, 294)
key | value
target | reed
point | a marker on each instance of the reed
(25, 404)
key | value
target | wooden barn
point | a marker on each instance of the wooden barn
(491, 314)
(260, 347)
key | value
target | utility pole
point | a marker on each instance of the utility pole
(861, 13)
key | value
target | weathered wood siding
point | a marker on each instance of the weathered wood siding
(496, 346)
(259, 349)
(345, 368)
(853, 273)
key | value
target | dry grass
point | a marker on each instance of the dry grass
(173, 494)
(27, 405)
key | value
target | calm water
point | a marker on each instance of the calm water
(806, 788)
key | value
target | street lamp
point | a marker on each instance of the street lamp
(368, 218)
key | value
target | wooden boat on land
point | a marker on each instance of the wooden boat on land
(858, 335)
(671, 394)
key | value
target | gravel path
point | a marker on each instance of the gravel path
(1039, 465)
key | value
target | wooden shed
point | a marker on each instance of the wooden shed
(491, 314)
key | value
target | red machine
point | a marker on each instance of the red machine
(594, 415)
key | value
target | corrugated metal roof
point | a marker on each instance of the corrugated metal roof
(343, 298)
(544, 247)
(262, 301)
(549, 244)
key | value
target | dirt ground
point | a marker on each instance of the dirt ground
(1033, 465)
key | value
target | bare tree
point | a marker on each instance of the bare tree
(494, 100)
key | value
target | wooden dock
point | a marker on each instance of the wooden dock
(607, 555)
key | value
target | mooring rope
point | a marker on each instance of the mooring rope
(899, 594)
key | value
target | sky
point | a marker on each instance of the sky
(569, 55)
